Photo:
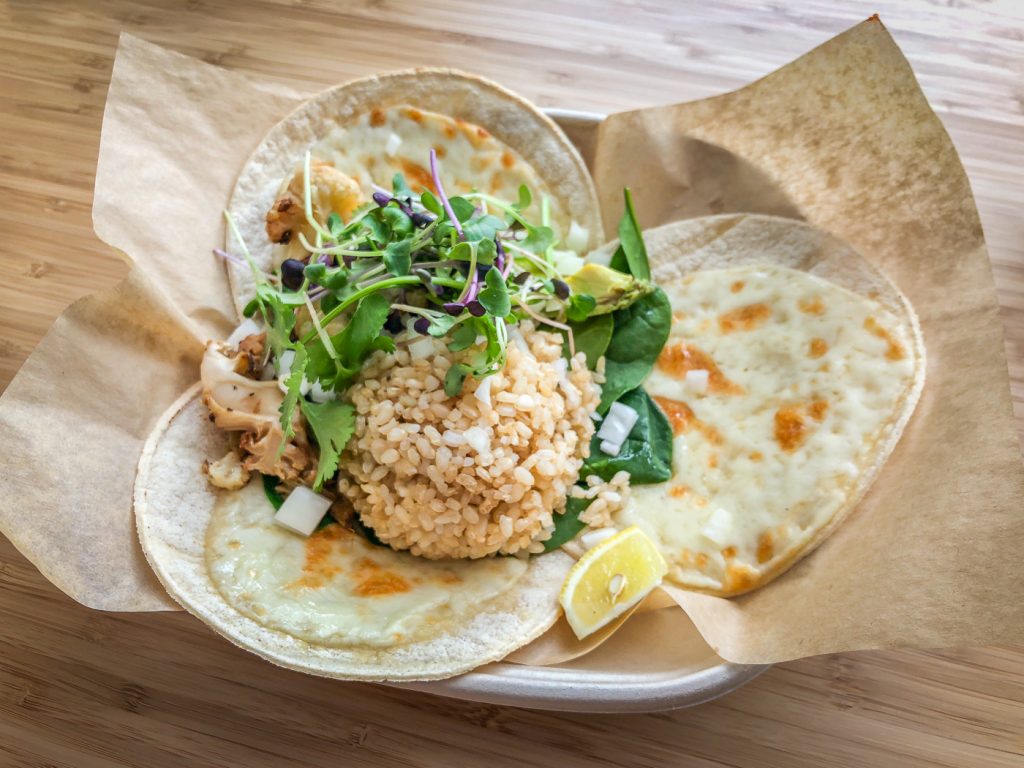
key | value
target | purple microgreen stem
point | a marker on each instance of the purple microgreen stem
(444, 198)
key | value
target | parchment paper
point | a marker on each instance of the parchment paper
(842, 137)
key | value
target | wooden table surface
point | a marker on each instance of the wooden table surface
(80, 688)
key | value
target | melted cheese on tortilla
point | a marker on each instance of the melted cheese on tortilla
(335, 588)
(383, 142)
(804, 378)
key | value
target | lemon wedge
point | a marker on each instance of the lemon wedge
(610, 579)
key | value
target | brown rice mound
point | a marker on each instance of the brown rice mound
(458, 477)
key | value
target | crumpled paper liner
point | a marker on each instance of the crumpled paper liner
(841, 137)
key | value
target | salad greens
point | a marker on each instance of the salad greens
(461, 270)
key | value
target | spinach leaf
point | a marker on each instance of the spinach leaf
(641, 330)
(591, 338)
(270, 490)
(631, 255)
(567, 524)
(495, 296)
(647, 452)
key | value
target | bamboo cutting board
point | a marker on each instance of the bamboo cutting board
(80, 688)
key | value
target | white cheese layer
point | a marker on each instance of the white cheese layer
(803, 379)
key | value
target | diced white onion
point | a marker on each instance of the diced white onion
(302, 511)
(483, 391)
(592, 538)
(697, 381)
(478, 439)
(718, 526)
(248, 327)
(394, 142)
(422, 348)
(577, 238)
(609, 448)
(566, 262)
(320, 395)
(618, 423)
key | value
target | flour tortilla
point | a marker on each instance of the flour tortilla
(510, 119)
(173, 507)
(715, 243)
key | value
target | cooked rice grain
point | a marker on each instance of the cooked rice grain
(457, 477)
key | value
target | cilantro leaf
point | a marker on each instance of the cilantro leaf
(332, 423)
(294, 393)
(494, 296)
(353, 344)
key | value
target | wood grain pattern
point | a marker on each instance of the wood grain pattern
(80, 688)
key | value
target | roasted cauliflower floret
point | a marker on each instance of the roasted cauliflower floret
(240, 404)
(227, 472)
(332, 192)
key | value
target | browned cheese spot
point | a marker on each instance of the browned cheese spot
(682, 419)
(744, 318)
(818, 409)
(440, 151)
(729, 552)
(417, 176)
(376, 117)
(737, 286)
(507, 161)
(677, 359)
(765, 548)
(894, 351)
(790, 428)
(756, 456)
(678, 491)
(818, 347)
(813, 306)
(739, 578)
(316, 567)
(414, 114)
(374, 581)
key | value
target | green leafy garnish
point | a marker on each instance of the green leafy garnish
(270, 491)
(592, 338)
(641, 331)
(631, 255)
(646, 454)
(495, 296)
(580, 307)
(454, 378)
(332, 423)
(352, 345)
(567, 524)
(294, 392)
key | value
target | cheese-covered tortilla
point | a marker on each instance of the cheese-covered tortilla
(335, 588)
(332, 604)
(808, 386)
